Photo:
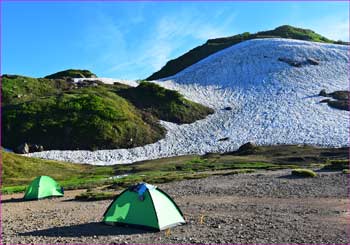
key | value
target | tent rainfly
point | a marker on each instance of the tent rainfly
(43, 187)
(144, 206)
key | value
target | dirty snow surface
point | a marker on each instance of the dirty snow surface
(272, 102)
(110, 81)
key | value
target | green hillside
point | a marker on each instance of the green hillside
(166, 104)
(214, 45)
(57, 115)
(71, 73)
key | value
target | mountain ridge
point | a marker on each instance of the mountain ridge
(214, 45)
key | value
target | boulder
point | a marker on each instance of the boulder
(22, 149)
(325, 101)
(35, 148)
(290, 62)
(224, 139)
(323, 93)
(312, 61)
(228, 108)
(26, 148)
(247, 148)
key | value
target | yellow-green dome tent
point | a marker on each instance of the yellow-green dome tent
(144, 206)
(43, 187)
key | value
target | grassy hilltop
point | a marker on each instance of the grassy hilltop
(57, 115)
(214, 45)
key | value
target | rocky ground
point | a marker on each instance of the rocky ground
(264, 207)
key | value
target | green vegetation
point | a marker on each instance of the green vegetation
(214, 45)
(18, 171)
(54, 114)
(168, 105)
(95, 196)
(346, 171)
(89, 119)
(18, 89)
(336, 165)
(300, 172)
(71, 73)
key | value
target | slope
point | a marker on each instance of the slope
(62, 114)
(271, 102)
(214, 45)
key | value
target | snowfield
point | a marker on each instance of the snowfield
(272, 102)
(130, 83)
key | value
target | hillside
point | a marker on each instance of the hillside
(263, 90)
(168, 105)
(72, 73)
(61, 114)
(17, 89)
(214, 45)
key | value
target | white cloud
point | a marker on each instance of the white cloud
(173, 31)
(167, 37)
(333, 27)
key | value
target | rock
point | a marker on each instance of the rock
(323, 93)
(247, 148)
(228, 108)
(290, 62)
(22, 149)
(325, 101)
(35, 148)
(312, 61)
(26, 148)
(224, 139)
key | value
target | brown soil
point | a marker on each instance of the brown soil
(265, 207)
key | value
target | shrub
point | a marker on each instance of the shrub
(337, 165)
(95, 196)
(303, 173)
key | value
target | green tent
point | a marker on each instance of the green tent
(144, 206)
(43, 187)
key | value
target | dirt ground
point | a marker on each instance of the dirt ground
(264, 207)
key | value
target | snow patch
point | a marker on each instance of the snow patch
(272, 102)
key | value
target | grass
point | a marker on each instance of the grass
(95, 196)
(336, 165)
(92, 118)
(19, 171)
(18, 89)
(168, 105)
(346, 171)
(71, 73)
(301, 172)
(214, 45)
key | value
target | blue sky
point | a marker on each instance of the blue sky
(131, 40)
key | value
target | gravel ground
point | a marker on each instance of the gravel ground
(265, 207)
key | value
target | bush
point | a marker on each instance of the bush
(337, 165)
(303, 173)
(95, 196)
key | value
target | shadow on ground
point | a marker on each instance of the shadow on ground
(12, 200)
(89, 229)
